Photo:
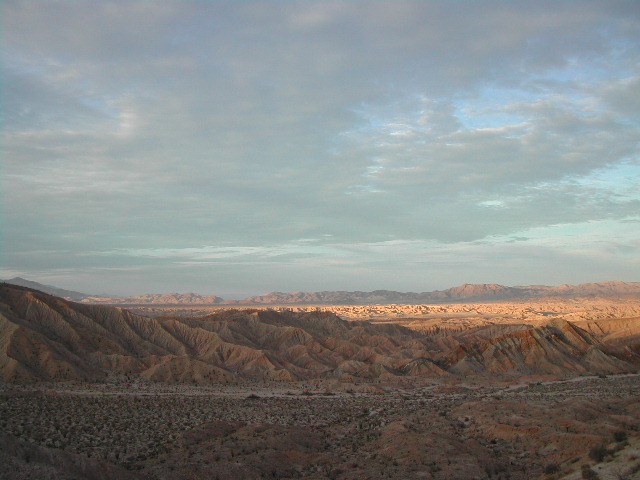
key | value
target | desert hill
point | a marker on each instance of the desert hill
(43, 337)
(50, 289)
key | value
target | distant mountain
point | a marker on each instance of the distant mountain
(46, 338)
(330, 297)
(51, 290)
(158, 299)
(466, 292)
(148, 299)
(483, 292)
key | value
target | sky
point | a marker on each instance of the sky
(242, 147)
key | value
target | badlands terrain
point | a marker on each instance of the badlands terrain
(536, 387)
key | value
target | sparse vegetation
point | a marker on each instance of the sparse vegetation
(154, 428)
(598, 453)
(588, 473)
(620, 436)
(551, 468)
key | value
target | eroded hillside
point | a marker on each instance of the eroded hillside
(48, 338)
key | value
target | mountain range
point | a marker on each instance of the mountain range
(47, 338)
(463, 293)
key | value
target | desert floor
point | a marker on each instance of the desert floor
(324, 430)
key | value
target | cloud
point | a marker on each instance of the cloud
(145, 127)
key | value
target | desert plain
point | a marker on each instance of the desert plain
(521, 389)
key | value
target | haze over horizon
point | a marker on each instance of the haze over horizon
(238, 148)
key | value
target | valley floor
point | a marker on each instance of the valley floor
(323, 430)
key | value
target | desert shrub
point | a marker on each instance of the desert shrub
(620, 436)
(598, 453)
(588, 473)
(551, 468)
